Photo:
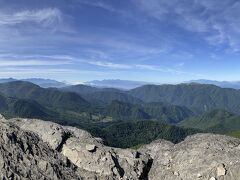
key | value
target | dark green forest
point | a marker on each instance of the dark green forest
(128, 118)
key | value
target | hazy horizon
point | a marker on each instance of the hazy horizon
(152, 41)
(201, 81)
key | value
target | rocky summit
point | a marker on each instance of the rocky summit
(36, 149)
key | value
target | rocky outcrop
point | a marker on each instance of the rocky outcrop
(23, 155)
(201, 156)
(35, 149)
(88, 153)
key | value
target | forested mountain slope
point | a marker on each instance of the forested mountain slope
(198, 97)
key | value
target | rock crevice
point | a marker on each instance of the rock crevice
(35, 149)
(65, 137)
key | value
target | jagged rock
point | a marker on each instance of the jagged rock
(199, 156)
(23, 155)
(221, 171)
(2, 118)
(107, 162)
(51, 133)
(90, 147)
(38, 149)
(157, 147)
(88, 153)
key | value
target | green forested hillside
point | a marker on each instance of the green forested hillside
(3, 103)
(125, 111)
(235, 134)
(167, 113)
(81, 89)
(68, 105)
(129, 134)
(102, 96)
(29, 109)
(218, 121)
(120, 117)
(12, 107)
(106, 97)
(161, 112)
(197, 97)
(47, 97)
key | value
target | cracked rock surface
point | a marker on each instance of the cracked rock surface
(23, 155)
(36, 149)
(88, 153)
(201, 157)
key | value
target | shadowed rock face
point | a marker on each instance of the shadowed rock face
(88, 153)
(38, 149)
(23, 155)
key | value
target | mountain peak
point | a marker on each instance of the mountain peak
(223, 84)
(45, 83)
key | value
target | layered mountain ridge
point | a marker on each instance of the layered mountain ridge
(120, 117)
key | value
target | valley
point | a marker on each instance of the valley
(128, 118)
(119, 90)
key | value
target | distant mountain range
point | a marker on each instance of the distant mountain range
(116, 83)
(223, 84)
(126, 84)
(206, 107)
(111, 109)
(45, 83)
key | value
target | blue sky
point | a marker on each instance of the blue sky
(149, 40)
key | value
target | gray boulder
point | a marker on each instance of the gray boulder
(201, 156)
(88, 153)
(36, 149)
(23, 155)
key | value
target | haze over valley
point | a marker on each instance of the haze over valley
(119, 90)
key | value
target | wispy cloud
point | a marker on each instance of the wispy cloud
(160, 69)
(45, 16)
(18, 61)
(109, 64)
(102, 5)
(214, 20)
(32, 63)
(181, 64)
(34, 70)
(183, 13)
(36, 56)
(48, 72)
(33, 60)
(145, 67)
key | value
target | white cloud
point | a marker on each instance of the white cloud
(160, 69)
(16, 70)
(146, 67)
(13, 64)
(216, 21)
(181, 64)
(47, 72)
(102, 5)
(36, 56)
(109, 64)
(15, 60)
(33, 62)
(43, 16)
(182, 13)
